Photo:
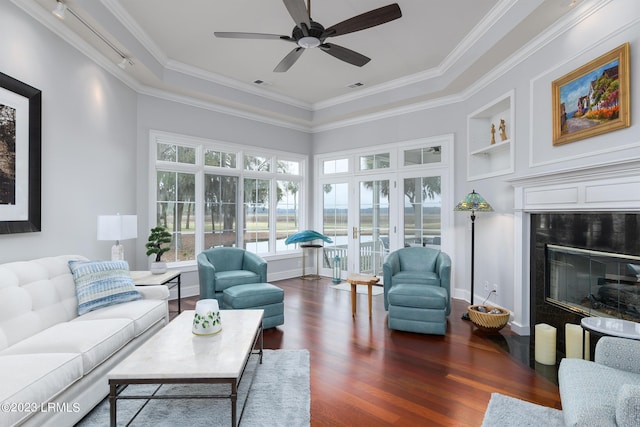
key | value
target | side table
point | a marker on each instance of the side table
(609, 326)
(171, 278)
(315, 247)
(361, 279)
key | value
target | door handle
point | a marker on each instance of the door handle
(355, 232)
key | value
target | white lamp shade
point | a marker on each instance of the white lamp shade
(117, 227)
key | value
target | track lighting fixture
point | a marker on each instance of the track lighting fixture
(59, 12)
(60, 9)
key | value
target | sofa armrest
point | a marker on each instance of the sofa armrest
(154, 292)
(206, 276)
(619, 353)
(255, 263)
(628, 405)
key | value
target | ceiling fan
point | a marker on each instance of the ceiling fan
(308, 33)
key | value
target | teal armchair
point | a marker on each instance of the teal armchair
(222, 268)
(420, 266)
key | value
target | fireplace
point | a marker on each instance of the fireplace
(592, 283)
(583, 264)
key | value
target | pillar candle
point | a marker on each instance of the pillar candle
(545, 348)
(573, 341)
(587, 346)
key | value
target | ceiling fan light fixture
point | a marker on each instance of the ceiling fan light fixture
(309, 42)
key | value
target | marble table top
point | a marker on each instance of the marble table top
(176, 353)
(613, 327)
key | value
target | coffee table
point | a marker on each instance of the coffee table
(361, 279)
(176, 356)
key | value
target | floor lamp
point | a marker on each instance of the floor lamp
(474, 203)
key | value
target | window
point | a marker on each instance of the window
(214, 194)
(423, 156)
(220, 210)
(335, 166)
(375, 161)
(257, 215)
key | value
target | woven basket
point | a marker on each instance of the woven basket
(488, 321)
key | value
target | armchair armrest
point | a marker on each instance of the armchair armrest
(619, 353)
(206, 277)
(444, 270)
(390, 267)
(154, 292)
(255, 263)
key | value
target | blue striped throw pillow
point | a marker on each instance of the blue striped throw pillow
(102, 283)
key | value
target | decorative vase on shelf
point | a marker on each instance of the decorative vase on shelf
(158, 267)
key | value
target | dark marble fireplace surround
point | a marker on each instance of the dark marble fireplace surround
(616, 232)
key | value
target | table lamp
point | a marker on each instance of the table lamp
(117, 227)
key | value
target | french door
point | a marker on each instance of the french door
(370, 212)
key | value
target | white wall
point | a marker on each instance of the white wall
(88, 141)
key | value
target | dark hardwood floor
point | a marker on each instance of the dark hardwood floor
(363, 374)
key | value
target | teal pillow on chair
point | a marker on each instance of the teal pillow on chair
(102, 283)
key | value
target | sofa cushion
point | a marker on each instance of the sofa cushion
(102, 283)
(589, 392)
(35, 379)
(628, 406)
(227, 279)
(143, 313)
(95, 340)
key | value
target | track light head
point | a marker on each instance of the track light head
(59, 11)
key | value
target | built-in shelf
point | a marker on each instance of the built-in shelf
(487, 159)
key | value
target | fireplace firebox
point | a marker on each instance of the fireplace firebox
(593, 283)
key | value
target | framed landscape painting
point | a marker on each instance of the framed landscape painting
(592, 99)
(20, 156)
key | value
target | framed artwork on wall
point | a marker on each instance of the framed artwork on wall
(593, 99)
(20, 156)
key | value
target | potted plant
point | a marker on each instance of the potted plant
(159, 236)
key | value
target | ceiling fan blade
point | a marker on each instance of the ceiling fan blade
(344, 54)
(298, 12)
(289, 60)
(260, 36)
(366, 20)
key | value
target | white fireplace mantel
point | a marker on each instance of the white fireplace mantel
(606, 187)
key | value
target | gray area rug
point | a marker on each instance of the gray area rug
(505, 411)
(280, 396)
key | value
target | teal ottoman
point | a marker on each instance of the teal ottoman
(263, 296)
(418, 308)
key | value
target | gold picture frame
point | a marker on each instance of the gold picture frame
(593, 99)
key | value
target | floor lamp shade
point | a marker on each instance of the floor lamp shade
(117, 227)
(473, 202)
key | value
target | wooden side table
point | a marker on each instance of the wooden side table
(361, 279)
(171, 278)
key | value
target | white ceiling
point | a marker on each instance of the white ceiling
(437, 48)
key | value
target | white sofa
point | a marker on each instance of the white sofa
(53, 363)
